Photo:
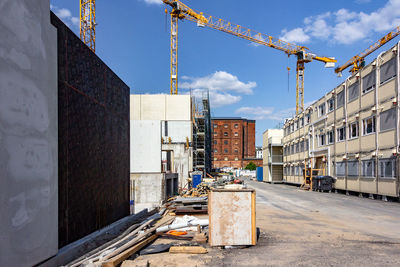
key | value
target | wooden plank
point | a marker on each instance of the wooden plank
(188, 250)
(129, 252)
(253, 218)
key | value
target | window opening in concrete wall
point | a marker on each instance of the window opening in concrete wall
(352, 168)
(388, 70)
(388, 119)
(368, 82)
(369, 125)
(368, 168)
(331, 104)
(297, 147)
(301, 122)
(340, 99)
(321, 140)
(321, 110)
(302, 146)
(353, 91)
(341, 134)
(331, 137)
(341, 169)
(353, 130)
(308, 118)
(307, 145)
(387, 168)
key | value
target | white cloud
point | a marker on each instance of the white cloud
(157, 2)
(345, 26)
(65, 15)
(224, 88)
(218, 81)
(296, 35)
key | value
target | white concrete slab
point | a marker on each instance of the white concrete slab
(145, 139)
(28, 133)
(178, 131)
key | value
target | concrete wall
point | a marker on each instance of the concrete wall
(149, 190)
(145, 146)
(160, 107)
(178, 131)
(28, 133)
(182, 161)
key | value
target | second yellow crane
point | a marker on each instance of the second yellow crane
(181, 11)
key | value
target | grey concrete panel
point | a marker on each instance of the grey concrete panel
(28, 133)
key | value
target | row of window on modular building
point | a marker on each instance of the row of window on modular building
(386, 168)
(387, 72)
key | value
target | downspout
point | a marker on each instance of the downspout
(398, 115)
(377, 121)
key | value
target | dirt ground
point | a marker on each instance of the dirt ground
(300, 228)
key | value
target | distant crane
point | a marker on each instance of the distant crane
(181, 11)
(87, 23)
(358, 61)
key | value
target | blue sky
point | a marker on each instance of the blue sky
(244, 80)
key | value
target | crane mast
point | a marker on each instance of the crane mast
(358, 60)
(87, 23)
(181, 11)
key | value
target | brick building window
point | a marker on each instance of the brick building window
(225, 125)
(215, 150)
(225, 142)
(226, 158)
(236, 134)
(215, 126)
(215, 159)
(236, 150)
(225, 150)
(225, 133)
(236, 126)
(215, 142)
(236, 158)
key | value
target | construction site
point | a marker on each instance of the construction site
(96, 169)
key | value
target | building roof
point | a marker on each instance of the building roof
(231, 118)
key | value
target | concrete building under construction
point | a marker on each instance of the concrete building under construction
(352, 132)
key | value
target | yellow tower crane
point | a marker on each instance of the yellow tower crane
(88, 23)
(181, 11)
(358, 61)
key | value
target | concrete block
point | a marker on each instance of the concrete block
(145, 146)
(28, 133)
(149, 190)
(178, 107)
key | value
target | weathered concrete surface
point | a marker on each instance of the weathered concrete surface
(28, 133)
(149, 190)
(301, 228)
(182, 161)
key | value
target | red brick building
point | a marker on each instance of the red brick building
(234, 142)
